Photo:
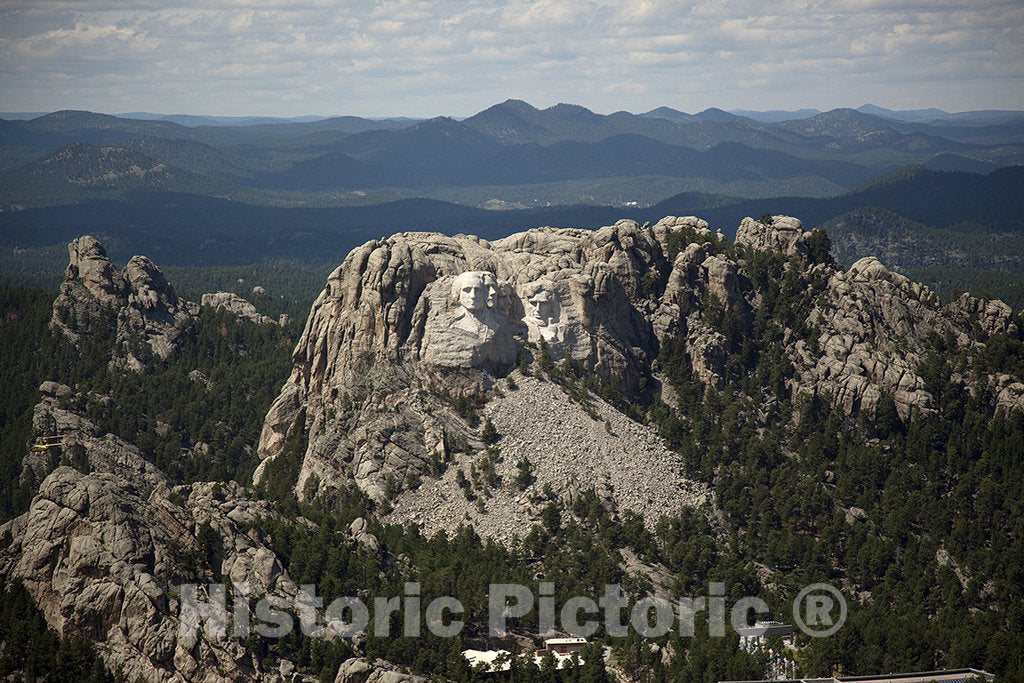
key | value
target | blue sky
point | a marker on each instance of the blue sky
(416, 58)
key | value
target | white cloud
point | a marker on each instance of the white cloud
(413, 57)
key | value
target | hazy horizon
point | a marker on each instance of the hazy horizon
(420, 60)
(309, 115)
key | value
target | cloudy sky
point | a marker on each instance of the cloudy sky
(418, 58)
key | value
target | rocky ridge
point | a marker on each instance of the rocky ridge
(99, 553)
(82, 440)
(359, 670)
(233, 303)
(417, 343)
(137, 302)
(389, 350)
(411, 330)
(107, 541)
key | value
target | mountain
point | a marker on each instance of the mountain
(720, 115)
(194, 120)
(953, 162)
(776, 115)
(518, 122)
(843, 124)
(654, 407)
(938, 117)
(440, 141)
(965, 257)
(983, 117)
(87, 171)
(297, 129)
(935, 198)
(669, 114)
(910, 245)
(103, 128)
(20, 115)
(509, 155)
(233, 232)
(450, 154)
(908, 115)
(17, 134)
(512, 121)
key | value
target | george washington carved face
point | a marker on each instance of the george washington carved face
(471, 291)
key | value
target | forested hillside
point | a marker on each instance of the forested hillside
(917, 518)
(962, 257)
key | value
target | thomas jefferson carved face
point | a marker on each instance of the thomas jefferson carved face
(471, 291)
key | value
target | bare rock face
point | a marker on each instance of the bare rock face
(783, 234)
(92, 293)
(990, 316)
(873, 325)
(137, 303)
(153, 313)
(411, 333)
(81, 441)
(237, 305)
(360, 670)
(699, 279)
(407, 326)
(1009, 393)
(871, 332)
(102, 556)
(107, 543)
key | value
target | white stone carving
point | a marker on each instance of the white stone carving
(472, 327)
(474, 296)
(543, 312)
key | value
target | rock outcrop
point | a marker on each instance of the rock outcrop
(359, 670)
(412, 334)
(233, 303)
(81, 441)
(107, 544)
(872, 326)
(135, 309)
(783, 234)
(453, 380)
(102, 556)
(408, 327)
(990, 316)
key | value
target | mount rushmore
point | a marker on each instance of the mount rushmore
(411, 328)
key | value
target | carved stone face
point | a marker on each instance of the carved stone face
(472, 291)
(545, 307)
(541, 304)
(492, 290)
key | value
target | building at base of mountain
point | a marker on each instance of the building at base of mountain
(497, 661)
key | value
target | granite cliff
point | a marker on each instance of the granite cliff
(430, 369)
(412, 329)
(137, 302)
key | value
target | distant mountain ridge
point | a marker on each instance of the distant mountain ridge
(543, 156)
